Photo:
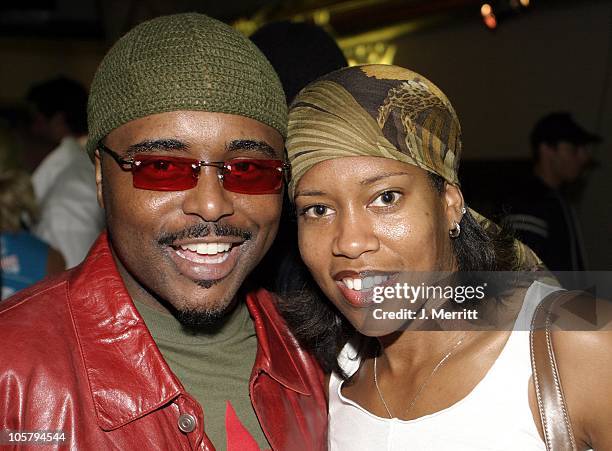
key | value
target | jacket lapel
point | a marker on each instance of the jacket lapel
(276, 345)
(128, 377)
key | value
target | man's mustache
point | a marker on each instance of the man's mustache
(203, 230)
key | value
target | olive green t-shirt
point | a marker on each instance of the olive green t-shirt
(214, 366)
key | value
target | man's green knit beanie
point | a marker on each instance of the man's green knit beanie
(183, 62)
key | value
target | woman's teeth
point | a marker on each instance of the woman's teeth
(206, 248)
(364, 283)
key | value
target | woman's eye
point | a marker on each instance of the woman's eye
(317, 211)
(386, 199)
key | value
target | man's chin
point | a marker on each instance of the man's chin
(208, 318)
(212, 310)
(207, 283)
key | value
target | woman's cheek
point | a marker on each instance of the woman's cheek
(305, 243)
(315, 248)
(393, 229)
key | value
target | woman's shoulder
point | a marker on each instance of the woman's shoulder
(582, 340)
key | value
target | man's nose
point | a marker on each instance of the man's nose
(208, 199)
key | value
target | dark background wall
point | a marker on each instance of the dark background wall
(501, 82)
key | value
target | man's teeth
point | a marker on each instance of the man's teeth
(364, 283)
(206, 248)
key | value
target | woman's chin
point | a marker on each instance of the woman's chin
(369, 322)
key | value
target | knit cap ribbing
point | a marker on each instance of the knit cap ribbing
(183, 62)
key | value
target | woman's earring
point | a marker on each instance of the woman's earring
(463, 210)
(455, 231)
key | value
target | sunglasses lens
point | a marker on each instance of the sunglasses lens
(246, 176)
(164, 174)
(249, 176)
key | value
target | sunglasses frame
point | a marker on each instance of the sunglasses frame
(127, 164)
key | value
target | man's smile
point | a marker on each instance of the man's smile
(211, 260)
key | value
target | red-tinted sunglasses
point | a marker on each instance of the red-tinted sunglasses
(239, 175)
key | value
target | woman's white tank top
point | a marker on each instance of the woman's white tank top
(495, 415)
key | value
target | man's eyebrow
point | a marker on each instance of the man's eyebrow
(384, 175)
(155, 144)
(310, 193)
(253, 145)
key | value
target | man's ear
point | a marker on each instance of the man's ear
(98, 164)
(453, 204)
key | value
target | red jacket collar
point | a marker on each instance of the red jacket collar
(276, 345)
(127, 374)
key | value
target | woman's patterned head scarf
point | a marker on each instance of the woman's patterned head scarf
(374, 110)
(381, 111)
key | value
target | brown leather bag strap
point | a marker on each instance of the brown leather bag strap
(556, 424)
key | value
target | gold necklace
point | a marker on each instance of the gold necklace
(423, 384)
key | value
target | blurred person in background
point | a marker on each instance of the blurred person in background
(25, 258)
(299, 52)
(59, 118)
(64, 181)
(542, 215)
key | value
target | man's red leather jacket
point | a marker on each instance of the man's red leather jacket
(75, 356)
